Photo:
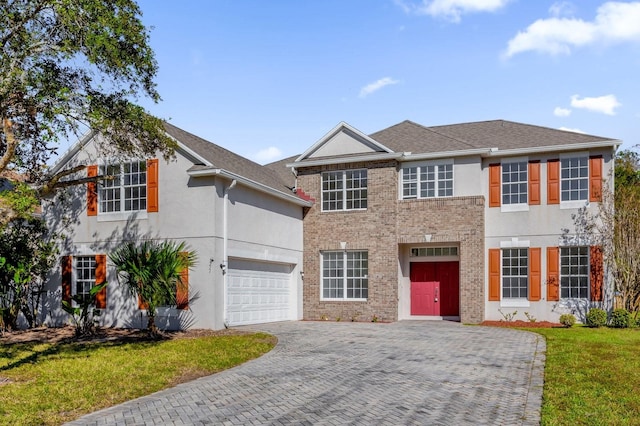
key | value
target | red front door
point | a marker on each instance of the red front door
(438, 282)
(424, 298)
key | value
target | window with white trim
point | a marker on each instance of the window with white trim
(85, 276)
(515, 273)
(574, 179)
(434, 251)
(344, 190)
(127, 191)
(427, 181)
(515, 183)
(574, 272)
(345, 275)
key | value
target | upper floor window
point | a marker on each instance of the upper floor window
(344, 190)
(127, 191)
(427, 181)
(574, 178)
(514, 183)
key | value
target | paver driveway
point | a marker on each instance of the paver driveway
(333, 373)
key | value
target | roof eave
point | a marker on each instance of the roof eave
(71, 152)
(342, 160)
(614, 143)
(249, 183)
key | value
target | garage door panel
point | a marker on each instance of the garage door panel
(258, 292)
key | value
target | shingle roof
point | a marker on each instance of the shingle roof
(224, 159)
(412, 137)
(280, 168)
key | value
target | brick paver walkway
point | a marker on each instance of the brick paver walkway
(333, 373)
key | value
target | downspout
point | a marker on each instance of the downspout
(225, 248)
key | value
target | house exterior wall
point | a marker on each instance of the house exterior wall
(260, 227)
(539, 226)
(386, 229)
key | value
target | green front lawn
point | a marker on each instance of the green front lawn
(592, 376)
(44, 383)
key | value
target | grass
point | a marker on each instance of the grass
(592, 376)
(53, 383)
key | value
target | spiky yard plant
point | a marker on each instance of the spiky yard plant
(153, 271)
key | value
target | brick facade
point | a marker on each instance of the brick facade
(380, 229)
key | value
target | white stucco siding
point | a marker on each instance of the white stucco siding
(538, 226)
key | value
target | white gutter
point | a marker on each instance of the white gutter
(554, 148)
(354, 159)
(225, 247)
(251, 184)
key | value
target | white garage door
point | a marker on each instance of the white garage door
(258, 292)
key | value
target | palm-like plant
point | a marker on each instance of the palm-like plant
(153, 271)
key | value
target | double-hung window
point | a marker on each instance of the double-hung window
(574, 178)
(515, 183)
(85, 276)
(345, 275)
(427, 181)
(127, 190)
(574, 272)
(344, 190)
(515, 273)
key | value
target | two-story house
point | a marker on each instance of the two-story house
(461, 221)
(243, 223)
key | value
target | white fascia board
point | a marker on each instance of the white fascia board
(191, 152)
(341, 160)
(333, 132)
(554, 148)
(446, 154)
(72, 151)
(251, 184)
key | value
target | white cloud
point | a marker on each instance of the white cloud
(377, 85)
(561, 112)
(603, 104)
(451, 10)
(562, 8)
(267, 155)
(567, 129)
(615, 22)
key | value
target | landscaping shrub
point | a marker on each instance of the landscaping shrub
(596, 317)
(620, 318)
(567, 320)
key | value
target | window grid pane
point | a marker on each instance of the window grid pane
(345, 275)
(356, 182)
(85, 276)
(574, 176)
(345, 190)
(434, 181)
(515, 273)
(409, 182)
(514, 183)
(574, 272)
(127, 191)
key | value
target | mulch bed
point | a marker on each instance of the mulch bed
(521, 323)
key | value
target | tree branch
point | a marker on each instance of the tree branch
(7, 128)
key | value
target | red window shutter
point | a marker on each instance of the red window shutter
(494, 274)
(101, 276)
(596, 272)
(67, 267)
(595, 178)
(182, 287)
(494, 185)
(92, 192)
(534, 183)
(553, 274)
(535, 274)
(152, 185)
(553, 182)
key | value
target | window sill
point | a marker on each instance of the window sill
(120, 216)
(344, 211)
(342, 300)
(514, 303)
(573, 204)
(514, 208)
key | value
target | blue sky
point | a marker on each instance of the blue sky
(268, 79)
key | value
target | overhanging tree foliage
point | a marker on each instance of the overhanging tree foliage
(67, 66)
